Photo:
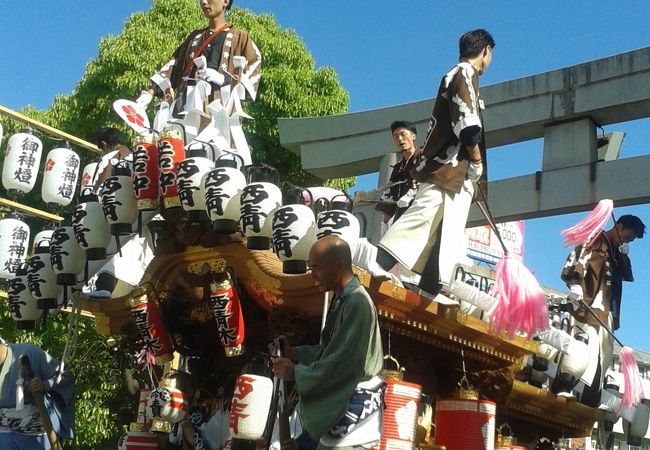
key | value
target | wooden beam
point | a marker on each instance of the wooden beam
(29, 210)
(51, 131)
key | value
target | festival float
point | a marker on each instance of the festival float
(220, 252)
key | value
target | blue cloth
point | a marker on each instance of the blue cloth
(15, 441)
(59, 401)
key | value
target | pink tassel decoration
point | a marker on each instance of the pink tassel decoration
(521, 304)
(585, 231)
(633, 389)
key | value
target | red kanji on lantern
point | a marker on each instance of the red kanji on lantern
(49, 165)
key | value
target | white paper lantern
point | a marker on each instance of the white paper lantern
(89, 176)
(14, 241)
(67, 257)
(223, 187)
(167, 403)
(250, 405)
(575, 361)
(60, 176)
(21, 303)
(191, 190)
(118, 201)
(20, 166)
(294, 233)
(42, 239)
(339, 223)
(91, 230)
(258, 200)
(41, 279)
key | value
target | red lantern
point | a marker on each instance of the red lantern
(401, 414)
(140, 440)
(228, 315)
(148, 320)
(171, 151)
(465, 424)
(146, 175)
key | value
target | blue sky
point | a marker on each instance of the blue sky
(385, 53)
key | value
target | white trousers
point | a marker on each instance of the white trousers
(413, 236)
(600, 345)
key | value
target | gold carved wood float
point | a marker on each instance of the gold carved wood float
(260, 273)
(443, 328)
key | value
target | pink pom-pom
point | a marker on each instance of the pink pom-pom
(521, 304)
(585, 231)
(632, 387)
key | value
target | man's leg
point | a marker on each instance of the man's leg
(406, 241)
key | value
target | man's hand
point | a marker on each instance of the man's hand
(144, 99)
(283, 368)
(285, 348)
(289, 444)
(36, 386)
(211, 76)
(405, 200)
(474, 171)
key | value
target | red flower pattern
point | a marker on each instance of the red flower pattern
(133, 116)
(49, 165)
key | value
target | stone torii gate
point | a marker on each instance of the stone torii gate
(563, 106)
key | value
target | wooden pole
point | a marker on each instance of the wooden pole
(50, 131)
(40, 406)
(29, 210)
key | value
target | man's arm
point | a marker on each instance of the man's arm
(345, 355)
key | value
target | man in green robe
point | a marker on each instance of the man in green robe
(336, 376)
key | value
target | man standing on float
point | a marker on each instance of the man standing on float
(221, 44)
(595, 276)
(426, 237)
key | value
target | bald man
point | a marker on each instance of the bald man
(337, 378)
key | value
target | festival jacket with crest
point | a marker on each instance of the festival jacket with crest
(600, 270)
(457, 107)
(230, 43)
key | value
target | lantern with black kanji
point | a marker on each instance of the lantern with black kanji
(118, 200)
(67, 257)
(223, 187)
(190, 187)
(89, 176)
(148, 321)
(60, 176)
(338, 222)
(21, 304)
(20, 166)
(257, 203)
(166, 403)
(250, 406)
(171, 151)
(42, 239)
(294, 232)
(41, 279)
(227, 312)
(91, 230)
(14, 241)
(146, 174)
